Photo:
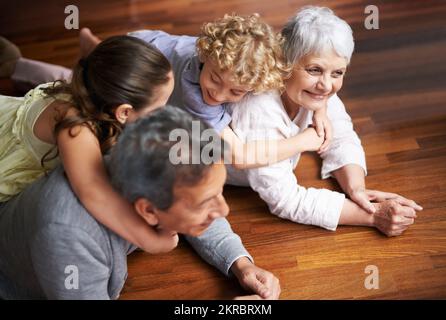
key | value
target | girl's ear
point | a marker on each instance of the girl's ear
(123, 112)
(146, 210)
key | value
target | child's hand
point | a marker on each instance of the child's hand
(311, 140)
(167, 240)
(323, 128)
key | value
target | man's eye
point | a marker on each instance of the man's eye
(214, 79)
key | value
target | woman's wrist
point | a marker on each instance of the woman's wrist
(351, 189)
(353, 214)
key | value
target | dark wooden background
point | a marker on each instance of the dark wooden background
(395, 93)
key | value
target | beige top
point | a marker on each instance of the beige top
(20, 150)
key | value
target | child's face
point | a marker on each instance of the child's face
(217, 86)
(316, 78)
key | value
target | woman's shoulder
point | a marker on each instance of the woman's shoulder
(335, 101)
(336, 109)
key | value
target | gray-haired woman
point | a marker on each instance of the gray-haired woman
(319, 45)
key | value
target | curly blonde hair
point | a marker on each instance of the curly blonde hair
(248, 47)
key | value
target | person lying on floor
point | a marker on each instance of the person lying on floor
(319, 45)
(46, 234)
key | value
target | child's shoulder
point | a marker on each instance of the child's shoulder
(259, 111)
(167, 43)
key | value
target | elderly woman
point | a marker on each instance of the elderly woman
(319, 45)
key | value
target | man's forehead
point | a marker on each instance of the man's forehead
(209, 185)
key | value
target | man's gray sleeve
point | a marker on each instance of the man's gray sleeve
(219, 246)
(73, 267)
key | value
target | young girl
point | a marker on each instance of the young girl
(123, 78)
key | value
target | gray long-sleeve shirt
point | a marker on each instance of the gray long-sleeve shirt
(52, 248)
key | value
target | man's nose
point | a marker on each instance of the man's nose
(222, 210)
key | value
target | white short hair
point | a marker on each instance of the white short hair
(315, 29)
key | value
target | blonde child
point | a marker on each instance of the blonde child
(122, 79)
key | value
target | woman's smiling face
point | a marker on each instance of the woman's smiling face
(315, 78)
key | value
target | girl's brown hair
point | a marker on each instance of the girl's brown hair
(120, 70)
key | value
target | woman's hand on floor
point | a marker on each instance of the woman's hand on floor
(363, 197)
(393, 218)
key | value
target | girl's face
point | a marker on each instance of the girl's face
(314, 79)
(217, 86)
(162, 94)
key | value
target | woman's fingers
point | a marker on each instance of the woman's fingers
(319, 124)
(323, 130)
(409, 203)
(382, 196)
(324, 146)
(361, 199)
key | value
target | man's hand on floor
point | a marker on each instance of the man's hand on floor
(256, 280)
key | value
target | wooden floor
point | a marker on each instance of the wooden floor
(395, 93)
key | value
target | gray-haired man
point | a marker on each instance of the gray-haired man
(51, 248)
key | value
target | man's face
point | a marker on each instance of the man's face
(218, 87)
(196, 207)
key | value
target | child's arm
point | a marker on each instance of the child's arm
(323, 127)
(83, 164)
(254, 154)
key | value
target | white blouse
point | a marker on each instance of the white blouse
(261, 117)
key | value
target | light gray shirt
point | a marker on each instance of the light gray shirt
(52, 248)
(182, 54)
